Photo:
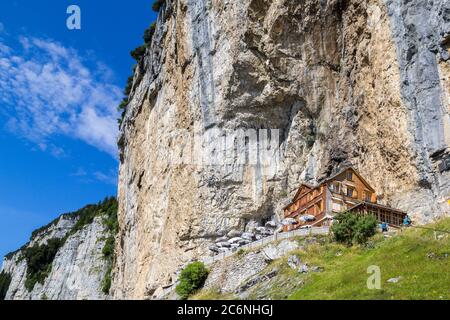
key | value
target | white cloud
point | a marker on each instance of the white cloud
(110, 178)
(79, 173)
(50, 90)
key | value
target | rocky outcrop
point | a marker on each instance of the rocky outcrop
(340, 81)
(78, 268)
(239, 273)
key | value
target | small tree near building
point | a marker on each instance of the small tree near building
(192, 278)
(350, 228)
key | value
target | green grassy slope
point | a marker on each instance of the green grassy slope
(420, 257)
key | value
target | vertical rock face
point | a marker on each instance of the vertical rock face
(344, 81)
(77, 270)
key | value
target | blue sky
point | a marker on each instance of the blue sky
(58, 95)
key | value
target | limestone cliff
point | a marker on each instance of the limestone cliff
(78, 269)
(344, 81)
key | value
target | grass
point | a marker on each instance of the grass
(405, 255)
(212, 294)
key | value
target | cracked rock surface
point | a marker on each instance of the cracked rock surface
(344, 81)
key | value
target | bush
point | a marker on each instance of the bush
(138, 53)
(39, 262)
(112, 225)
(157, 5)
(5, 281)
(148, 34)
(351, 228)
(89, 213)
(366, 227)
(108, 249)
(192, 278)
(106, 283)
(129, 86)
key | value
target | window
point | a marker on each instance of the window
(367, 196)
(336, 187)
(349, 176)
(337, 207)
(350, 192)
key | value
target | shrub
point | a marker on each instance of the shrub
(43, 229)
(138, 53)
(366, 227)
(5, 281)
(11, 255)
(112, 225)
(39, 262)
(157, 5)
(352, 228)
(148, 33)
(87, 214)
(106, 283)
(192, 278)
(108, 249)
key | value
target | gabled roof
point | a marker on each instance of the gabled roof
(354, 171)
(311, 186)
(304, 184)
(298, 193)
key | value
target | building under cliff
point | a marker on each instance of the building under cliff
(344, 191)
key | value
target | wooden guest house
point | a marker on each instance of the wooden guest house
(316, 205)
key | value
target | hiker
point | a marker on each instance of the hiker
(407, 221)
(384, 227)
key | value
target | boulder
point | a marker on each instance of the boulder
(278, 250)
(256, 280)
(252, 225)
(317, 269)
(394, 280)
(293, 261)
(303, 268)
